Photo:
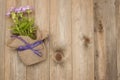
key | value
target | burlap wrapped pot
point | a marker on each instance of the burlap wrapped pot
(28, 57)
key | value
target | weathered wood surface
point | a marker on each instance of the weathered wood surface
(60, 38)
(117, 5)
(106, 40)
(83, 40)
(2, 40)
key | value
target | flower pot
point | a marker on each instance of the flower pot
(30, 51)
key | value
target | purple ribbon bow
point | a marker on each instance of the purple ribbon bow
(29, 46)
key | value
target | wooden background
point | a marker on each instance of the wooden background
(84, 40)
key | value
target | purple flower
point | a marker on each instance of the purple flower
(18, 10)
(12, 9)
(26, 8)
(23, 9)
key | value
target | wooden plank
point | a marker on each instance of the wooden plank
(42, 21)
(60, 38)
(30, 70)
(20, 68)
(2, 40)
(105, 12)
(82, 40)
(14, 68)
(9, 73)
(100, 50)
(117, 5)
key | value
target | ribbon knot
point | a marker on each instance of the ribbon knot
(29, 46)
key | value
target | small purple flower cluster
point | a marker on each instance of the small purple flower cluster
(19, 10)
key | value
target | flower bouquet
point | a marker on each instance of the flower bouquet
(26, 38)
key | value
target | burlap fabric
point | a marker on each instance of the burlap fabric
(28, 57)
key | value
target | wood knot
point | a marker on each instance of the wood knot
(97, 55)
(86, 41)
(58, 56)
(100, 27)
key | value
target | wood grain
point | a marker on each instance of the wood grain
(82, 40)
(42, 21)
(60, 38)
(2, 40)
(30, 70)
(9, 65)
(15, 69)
(106, 15)
(20, 68)
(117, 4)
(100, 50)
